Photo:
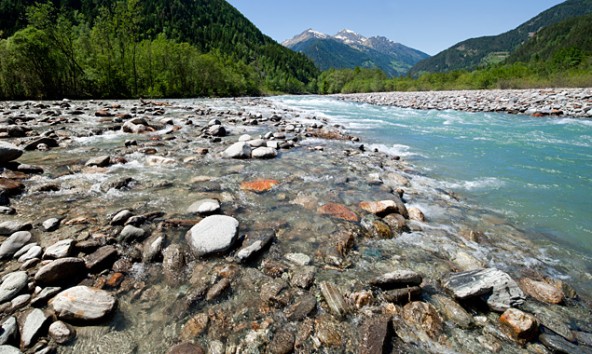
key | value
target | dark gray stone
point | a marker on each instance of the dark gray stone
(101, 259)
(61, 271)
(9, 152)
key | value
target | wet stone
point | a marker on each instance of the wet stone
(9, 349)
(59, 249)
(173, 264)
(152, 250)
(101, 259)
(12, 285)
(301, 308)
(41, 298)
(558, 344)
(416, 214)
(121, 217)
(218, 289)
(402, 296)
(303, 277)
(264, 153)
(521, 326)
(338, 211)
(194, 327)
(83, 304)
(259, 186)
(373, 335)
(204, 207)
(131, 233)
(61, 332)
(254, 244)
(33, 326)
(543, 292)
(9, 152)
(380, 208)
(282, 342)
(240, 150)
(298, 259)
(452, 311)
(397, 279)
(273, 292)
(51, 224)
(334, 299)
(186, 348)
(33, 252)
(328, 332)
(8, 228)
(99, 161)
(61, 271)
(423, 317)
(19, 302)
(214, 234)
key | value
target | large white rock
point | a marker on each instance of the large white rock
(82, 303)
(12, 284)
(214, 234)
(264, 153)
(240, 150)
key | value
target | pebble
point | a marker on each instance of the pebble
(259, 185)
(298, 259)
(424, 318)
(301, 308)
(131, 233)
(254, 244)
(186, 348)
(11, 227)
(100, 161)
(542, 291)
(121, 217)
(102, 258)
(338, 211)
(452, 311)
(264, 153)
(9, 349)
(51, 224)
(380, 208)
(334, 299)
(397, 279)
(34, 251)
(61, 332)
(82, 303)
(214, 234)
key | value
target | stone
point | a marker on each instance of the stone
(218, 289)
(8, 228)
(259, 186)
(214, 234)
(257, 143)
(338, 211)
(397, 279)
(121, 217)
(521, 326)
(51, 224)
(34, 251)
(334, 299)
(9, 349)
(423, 317)
(274, 292)
(34, 325)
(100, 161)
(217, 130)
(497, 288)
(303, 277)
(452, 311)
(298, 259)
(254, 244)
(240, 150)
(186, 348)
(466, 262)
(558, 344)
(19, 302)
(194, 327)
(373, 335)
(173, 264)
(61, 271)
(282, 342)
(8, 330)
(12, 285)
(416, 214)
(204, 207)
(403, 295)
(59, 249)
(83, 304)
(380, 208)
(15, 242)
(264, 152)
(245, 137)
(328, 332)
(376, 227)
(103, 258)
(131, 233)
(543, 292)
(40, 298)
(152, 250)
(301, 308)
(9, 152)
(61, 332)
(118, 183)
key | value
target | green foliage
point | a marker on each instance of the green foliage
(132, 48)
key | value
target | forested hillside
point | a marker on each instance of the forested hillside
(130, 48)
(480, 52)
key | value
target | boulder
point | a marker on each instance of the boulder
(61, 271)
(264, 153)
(214, 234)
(9, 152)
(240, 150)
(12, 285)
(83, 304)
(14, 243)
(497, 288)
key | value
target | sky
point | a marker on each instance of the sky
(428, 25)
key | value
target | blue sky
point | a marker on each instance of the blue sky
(427, 25)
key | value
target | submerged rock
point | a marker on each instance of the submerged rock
(373, 335)
(334, 299)
(397, 279)
(338, 211)
(259, 186)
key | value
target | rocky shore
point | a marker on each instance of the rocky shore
(237, 226)
(534, 102)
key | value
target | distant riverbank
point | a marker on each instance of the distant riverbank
(566, 102)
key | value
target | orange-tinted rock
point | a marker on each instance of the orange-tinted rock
(338, 211)
(542, 291)
(260, 185)
(195, 326)
(115, 280)
(520, 325)
(380, 208)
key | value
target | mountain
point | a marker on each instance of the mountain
(348, 49)
(473, 53)
(210, 26)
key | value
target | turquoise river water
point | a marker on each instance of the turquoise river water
(536, 172)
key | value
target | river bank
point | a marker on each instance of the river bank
(234, 226)
(566, 102)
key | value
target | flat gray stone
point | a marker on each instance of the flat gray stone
(9, 349)
(14, 243)
(51, 224)
(59, 249)
(298, 259)
(8, 330)
(204, 207)
(82, 303)
(240, 150)
(60, 271)
(497, 288)
(121, 217)
(101, 259)
(264, 153)
(19, 302)
(40, 298)
(254, 244)
(214, 234)
(10, 227)
(34, 324)
(131, 233)
(12, 284)
(9, 152)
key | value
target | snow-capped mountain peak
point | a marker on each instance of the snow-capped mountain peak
(350, 37)
(304, 36)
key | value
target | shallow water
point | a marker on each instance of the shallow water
(536, 172)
